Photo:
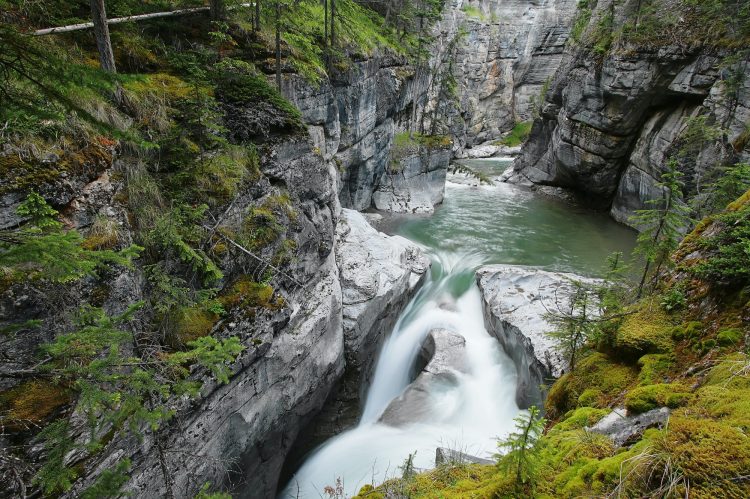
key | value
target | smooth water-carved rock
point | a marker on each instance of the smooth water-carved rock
(444, 456)
(515, 301)
(444, 354)
(379, 276)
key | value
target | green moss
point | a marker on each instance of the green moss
(218, 177)
(31, 403)
(645, 330)
(710, 454)
(578, 419)
(517, 136)
(654, 368)
(729, 337)
(408, 144)
(248, 294)
(193, 323)
(23, 174)
(595, 372)
(644, 398)
(691, 330)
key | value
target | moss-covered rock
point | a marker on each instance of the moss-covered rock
(645, 330)
(595, 374)
(644, 398)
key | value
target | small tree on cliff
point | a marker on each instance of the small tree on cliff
(662, 224)
(574, 322)
(521, 447)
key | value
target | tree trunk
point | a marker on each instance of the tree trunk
(325, 22)
(333, 24)
(218, 10)
(101, 31)
(278, 45)
(257, 15)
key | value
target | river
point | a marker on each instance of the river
(474, 226)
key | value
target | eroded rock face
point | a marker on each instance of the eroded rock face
(415, 183)
(510, 49)
(607, 129)
(515, 301)
(443, 355)
(379, 276)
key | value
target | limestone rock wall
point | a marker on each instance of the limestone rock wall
(609, 123)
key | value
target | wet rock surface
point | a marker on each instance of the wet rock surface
(446, 354)
(515, 301)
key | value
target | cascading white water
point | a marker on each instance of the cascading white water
(468, 415)
(474, 226)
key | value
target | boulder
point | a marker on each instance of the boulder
(622, 428)
(515, 301)
(444, 353)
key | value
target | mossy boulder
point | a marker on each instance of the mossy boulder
(596, 380)
(645, 330)
(644, 398)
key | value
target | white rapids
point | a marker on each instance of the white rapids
(468, 416)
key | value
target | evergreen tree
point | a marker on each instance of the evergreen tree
(574, 322)
(521, 446)
(662, 224)
(731, 184)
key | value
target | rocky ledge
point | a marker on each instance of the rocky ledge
(515, 301)
(379, 275)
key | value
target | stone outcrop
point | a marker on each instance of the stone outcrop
(414, 182)
(623, 428)
(379, 276)
(610, 123)
(515, 301)
(352, 119)
(442, 355)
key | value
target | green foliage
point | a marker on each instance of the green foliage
(240, 83)
(109, 483)
(661, 224)
(205, 493)
(43, 249)
(177, 232)
(732, 183)
(473, 12)
(54, 477)
(581, 21)
(728, 250)
(574, 322)
(521, 447)
(518, 135)
(674, 299)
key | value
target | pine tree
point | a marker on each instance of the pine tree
(733, 182)
(521, 447)
(662, 224)
(574, 322)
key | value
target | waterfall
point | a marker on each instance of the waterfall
(467, 415)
